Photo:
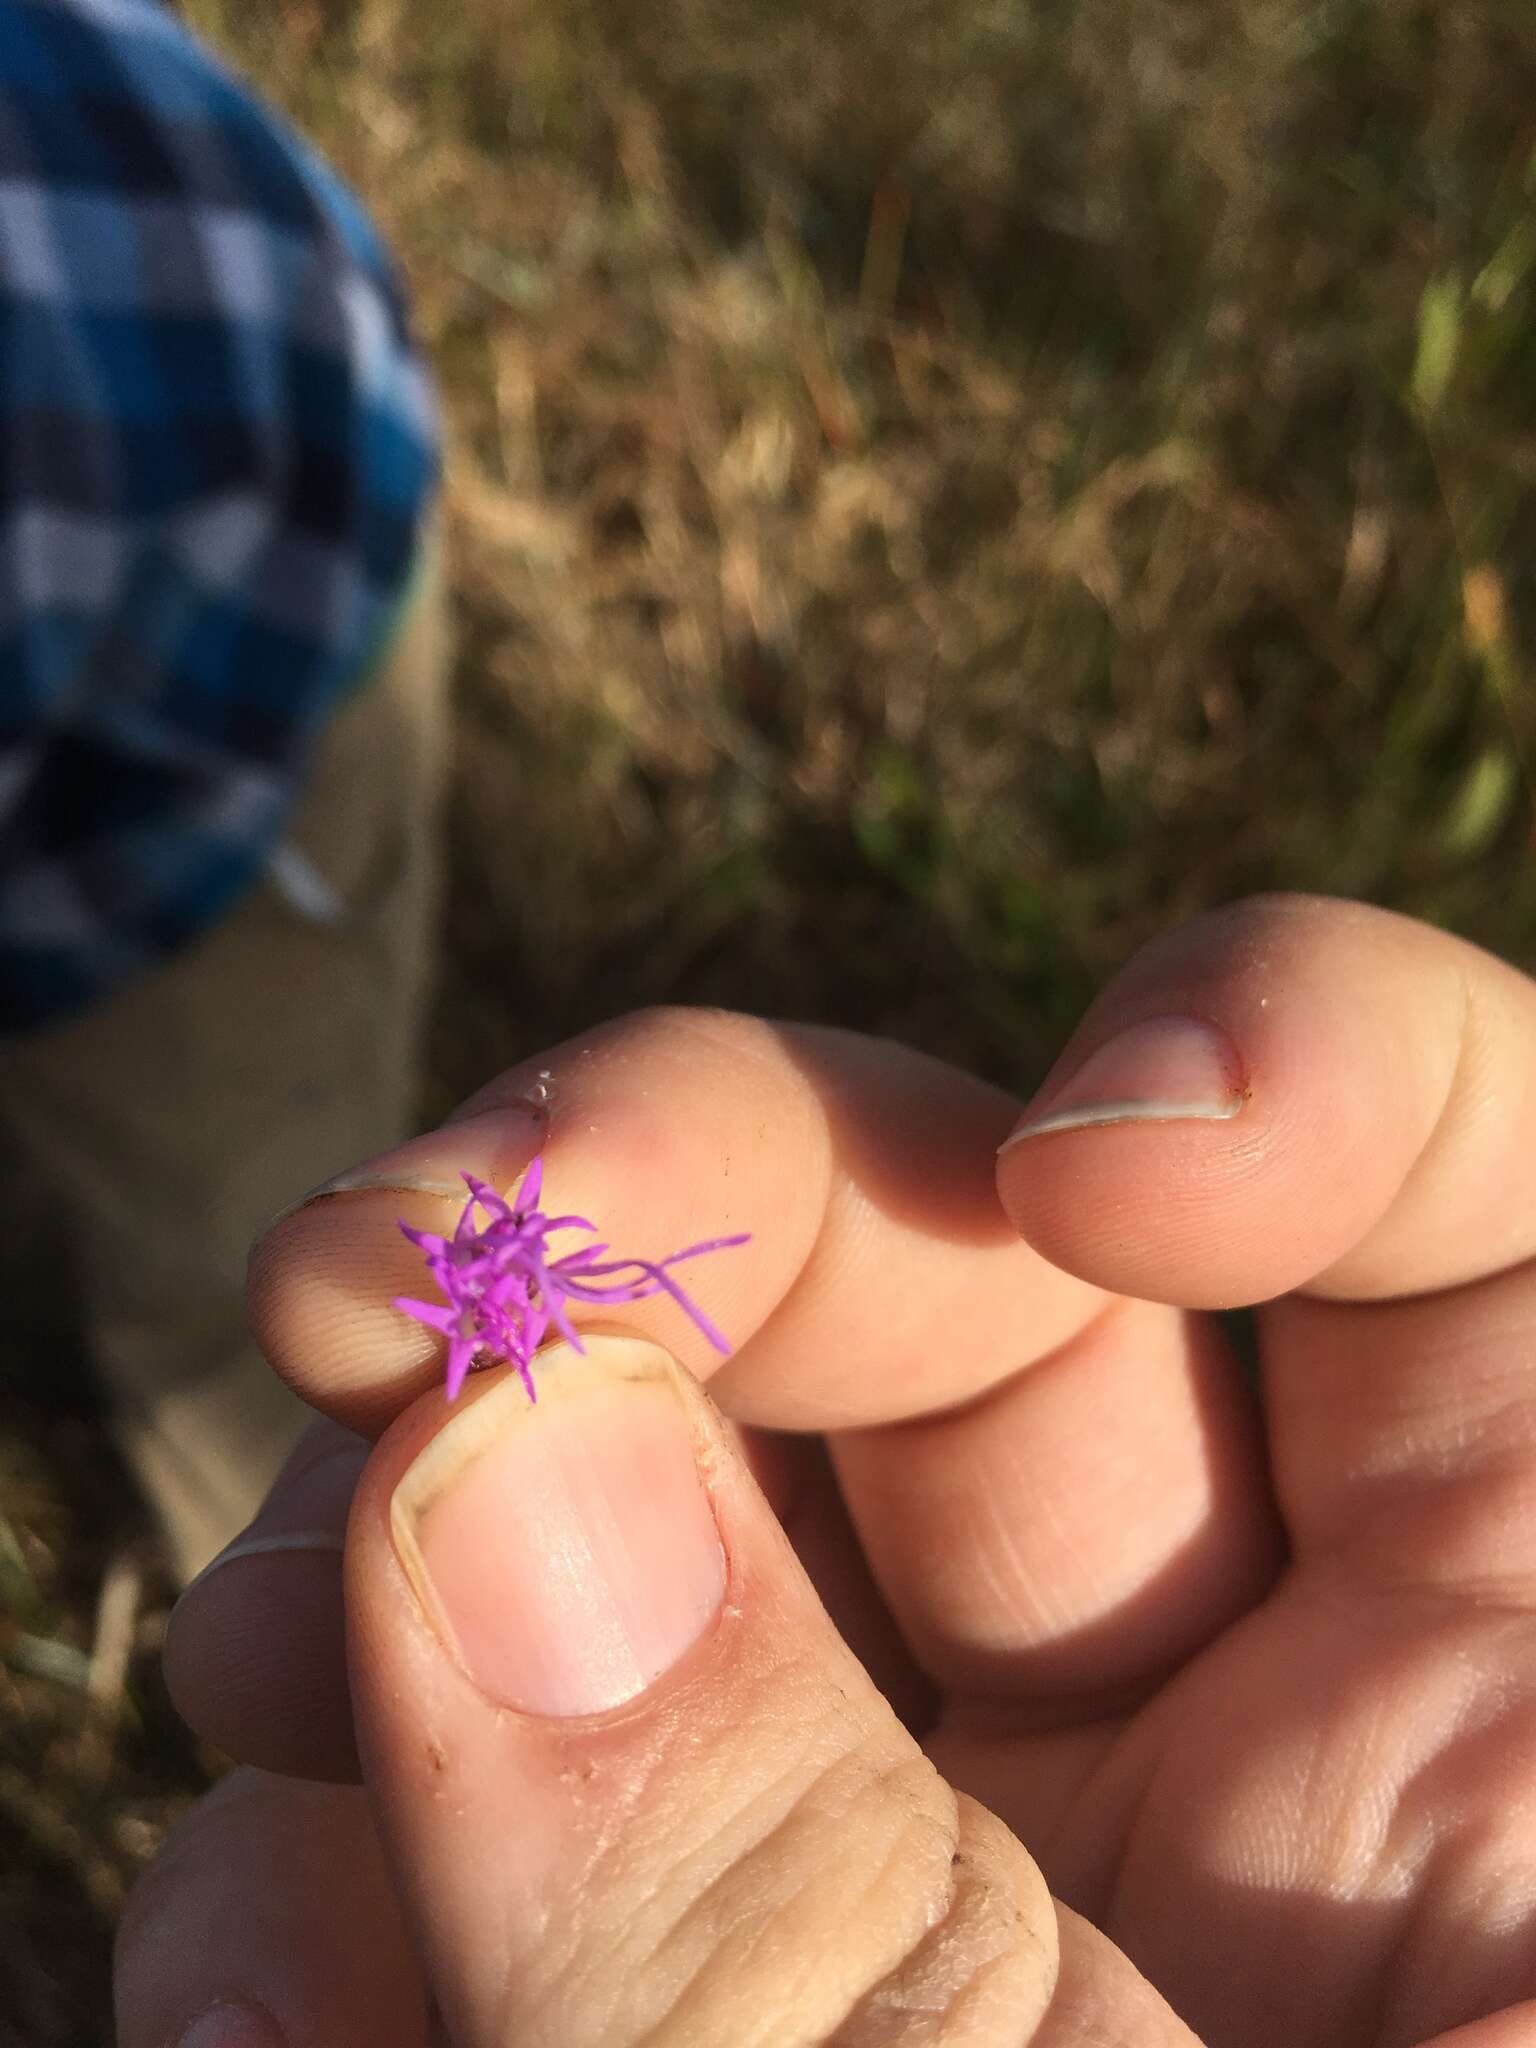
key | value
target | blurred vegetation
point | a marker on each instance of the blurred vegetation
(942, 488)
(939, 490)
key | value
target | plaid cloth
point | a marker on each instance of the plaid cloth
(216, 448)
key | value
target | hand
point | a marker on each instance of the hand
(1257, 1691)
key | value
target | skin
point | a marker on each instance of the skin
(1233, 1710)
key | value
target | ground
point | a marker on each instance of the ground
(938, 489)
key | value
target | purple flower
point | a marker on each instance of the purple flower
(504, 1290)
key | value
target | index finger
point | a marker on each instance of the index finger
(882, 1280)
(1115, 1511)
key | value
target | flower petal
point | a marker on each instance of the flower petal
(581, 1260)
(527, 1197)
(656, 1281)
(499, 1283)
(492, 1203)
(549, 1223)
(427, 1240)
(433, 1314)
(461, 1356)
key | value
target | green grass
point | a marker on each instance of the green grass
(939, 489)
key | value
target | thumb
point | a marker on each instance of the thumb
(634, 1787)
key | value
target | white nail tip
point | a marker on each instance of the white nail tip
(401, 1183)
(1086, 1116)
(359, 1183)
(272, 1546)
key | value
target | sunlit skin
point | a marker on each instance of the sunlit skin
(1253, 1684)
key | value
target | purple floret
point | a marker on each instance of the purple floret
(503, 1291)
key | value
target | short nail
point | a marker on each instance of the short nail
(281, 1545)
(566, 1550)
(232, 2026)
(1162, 1071)
(496, 1144)
(306, 1510)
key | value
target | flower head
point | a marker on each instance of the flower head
(504, 1290)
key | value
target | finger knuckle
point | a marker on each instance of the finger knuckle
(859, 1904)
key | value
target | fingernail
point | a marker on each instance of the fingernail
(232, 2026)
(496, 1145)
(269, 1546)
(306, 1509)
(565, 1550)
(1162, 1071)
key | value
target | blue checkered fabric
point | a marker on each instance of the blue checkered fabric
(216, 446)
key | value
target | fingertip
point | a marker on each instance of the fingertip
(1172, 1187)
(267, 1917)
(1158, 1213)
(322, 1280)
(255, 1655)
(320, 1292)
(1240, 1107)
(255, 1662)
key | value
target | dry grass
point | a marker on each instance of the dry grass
(939, 489)
(1001, 475)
